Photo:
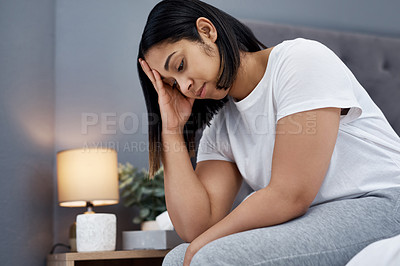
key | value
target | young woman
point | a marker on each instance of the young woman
(290, 120)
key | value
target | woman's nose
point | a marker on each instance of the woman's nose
(186, 85)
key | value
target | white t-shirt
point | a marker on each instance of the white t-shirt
(303, 75)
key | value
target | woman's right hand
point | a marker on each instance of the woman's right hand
(175, 108)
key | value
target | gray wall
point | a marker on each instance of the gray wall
(378, 17)
(27, 130)
(95, 75)
(95, 66)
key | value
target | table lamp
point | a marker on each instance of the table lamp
(86, 178)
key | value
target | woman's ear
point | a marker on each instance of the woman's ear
(206, 29)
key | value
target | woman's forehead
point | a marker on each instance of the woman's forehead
(160, 54)
(166, 46)
(156, 58)
(158, 50)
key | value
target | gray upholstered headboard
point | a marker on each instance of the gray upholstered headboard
(375, 61)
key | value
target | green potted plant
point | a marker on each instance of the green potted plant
(138, 190)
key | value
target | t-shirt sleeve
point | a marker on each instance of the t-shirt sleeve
(310, 77)
(214, 143)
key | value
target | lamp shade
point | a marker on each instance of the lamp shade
(87, 175)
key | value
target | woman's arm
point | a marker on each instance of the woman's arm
(196, 200)
(300, 161)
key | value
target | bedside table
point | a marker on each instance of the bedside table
(109, 258)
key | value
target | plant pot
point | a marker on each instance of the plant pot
(149, 226)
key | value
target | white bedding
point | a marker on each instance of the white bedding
(385, 252)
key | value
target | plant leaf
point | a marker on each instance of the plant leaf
(137, 190)
(144, 213)
(137, 220)
(159, 192)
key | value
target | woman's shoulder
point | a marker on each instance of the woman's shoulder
(299, 43)
(301, 48)
(301, 56)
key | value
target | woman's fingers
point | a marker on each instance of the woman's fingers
(147, 70)
(158, 81)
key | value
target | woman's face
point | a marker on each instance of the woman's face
(191, 67)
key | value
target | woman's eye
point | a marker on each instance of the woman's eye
(180, 66)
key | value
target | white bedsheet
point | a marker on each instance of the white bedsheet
(385, 252)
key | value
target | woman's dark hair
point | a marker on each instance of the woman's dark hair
(174, 20)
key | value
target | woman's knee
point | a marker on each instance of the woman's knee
(176, 256)
(204, 257)
(223, 251)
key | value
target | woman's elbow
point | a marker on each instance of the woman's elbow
(296, 204)
(190, 231)
(302, 209)
(188, 235)
(300, 206)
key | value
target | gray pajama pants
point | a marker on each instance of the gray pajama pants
(328, 234)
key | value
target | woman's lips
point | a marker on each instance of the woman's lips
(202, 91)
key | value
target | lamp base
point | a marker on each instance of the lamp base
(96, 232)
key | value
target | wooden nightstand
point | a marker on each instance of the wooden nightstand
(109, 258)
